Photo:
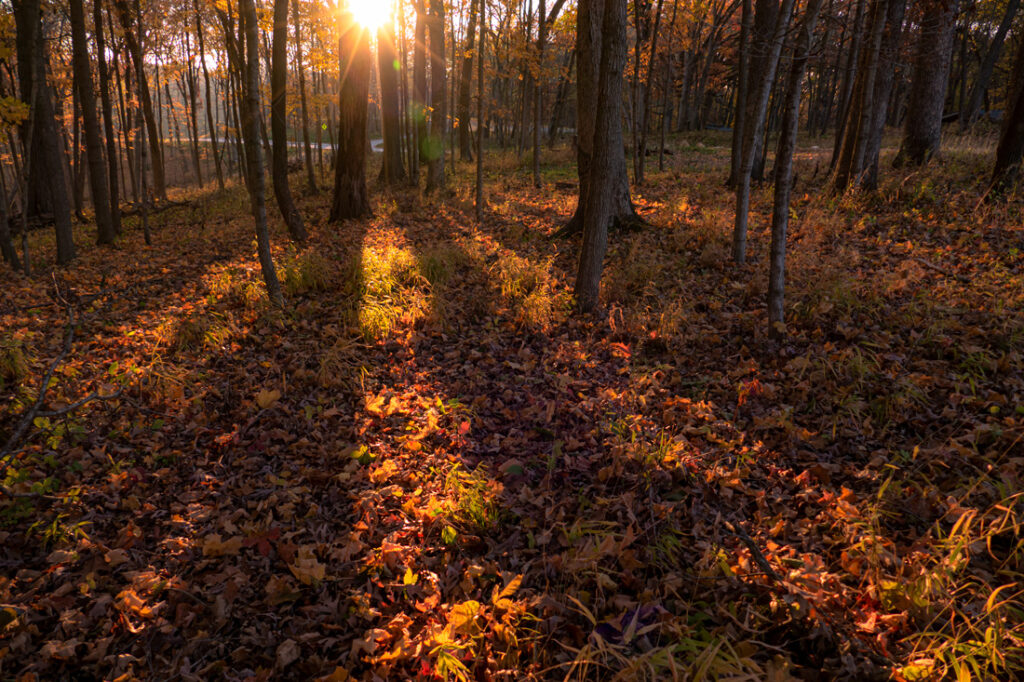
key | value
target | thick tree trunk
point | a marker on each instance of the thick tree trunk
(922, 131)
(969, 114)
(589, 49)
(606, 142)
(105, 233)
(351, 199)
(279, 123)
(466, 86)
(784, 169)
(753, 128)
(1010, 152)
(392, 170)
(7, 250)
(257, 186)
(888, 59)
(108, 117)
(45, 185)
(434, 150)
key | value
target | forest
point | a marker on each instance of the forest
(511, 340)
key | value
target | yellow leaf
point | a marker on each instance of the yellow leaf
(463, 617)
(410, 578)
(306, 567)
(508, 591)
(214, 546)
(267, 398)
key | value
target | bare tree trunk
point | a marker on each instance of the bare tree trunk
(351, 199)
(279, 123)
(888, 59)
(542, 36)
(922, 132)
(105, 233)
(743, 89)
(257, 187)
(643, 114)
(392, 170)
(419, 90)
(784, 169)
(45, 189)
(466, 85)
(7, 250)
(970, 114)
(1010, 152)
(108, 117)
(434, 150)
(193, 117)
(480, 114)
(599, 205)
(753, 129)
(301, 68)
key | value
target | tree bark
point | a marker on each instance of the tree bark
(419, 90)
(279, 123)
(743, 89)
(988, 64)
(466, 86)
(105, 233)
(46, 189)
(108, 117)
(392, 170)
(301, 68)
(753, 128)
(606, 143)
(351, 199)
(784, 169)
(480, 114)
(1010, 151)
(434, 150)
(257, 183)
(922, 133)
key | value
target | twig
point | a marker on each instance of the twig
(755, 552)
(941, 270)
(87, 399)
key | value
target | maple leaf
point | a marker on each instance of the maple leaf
(306, 566)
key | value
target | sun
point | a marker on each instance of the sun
(370, 14)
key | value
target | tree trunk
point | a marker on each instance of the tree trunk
(888, 59)
(1010, 152)
(784, 169)
(743, 89)
(45, 188)
(480, 115)
(108, 117)
(419, 90)
(466, 85)
(279, 123)
(7, 250)
(753, 128)
(105, 233)
(257, 186)
(392, 170)
(542, 37)
(970, 114)
(434, 150)
(132, 40)
(606, 145)
(301, 68)
(922, 131)
(351, 199)
(643, 114)
(589, 44)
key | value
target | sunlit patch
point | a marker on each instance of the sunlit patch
(370, 14)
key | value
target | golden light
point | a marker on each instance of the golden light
(370, 14)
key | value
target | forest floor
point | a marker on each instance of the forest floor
(428, 467)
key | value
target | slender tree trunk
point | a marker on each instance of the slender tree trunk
(466, 86)
(193, 116)
(922, 131)
(743, 87)
(642, 118)
(108, 117)
(754, 128)
(1010, 151)
(351, 199)
(969, 114)
(392, 170)
(301, 68)
(606, 141)
(888, 59)
(434, 150)
(846, 90)
(480, 114)
(257, 191)
(419, 90)
(279, 123)
(784, 169)
(7, 250)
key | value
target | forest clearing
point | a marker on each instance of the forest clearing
(485, 340)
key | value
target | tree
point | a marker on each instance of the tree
(45, 187)
(784, 168)
(606, 144)
(351, 199)
(392, 170)
(466, 84)
(480, 115)
(988, 64)
(922, 132)
(254, 153)
(279, 123)
(753, 127)
(113, 184)
(1010, 151)
(301, 69)
(105, 233)
(209, 96)
(590, 41)
(434, 149)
